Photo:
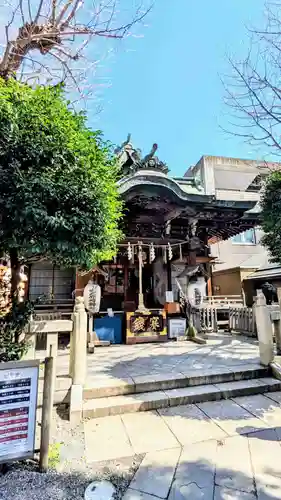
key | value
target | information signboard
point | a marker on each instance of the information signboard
(18, 402)
(177, 328)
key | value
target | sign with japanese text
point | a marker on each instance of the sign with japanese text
(18, 402)
(146, 327)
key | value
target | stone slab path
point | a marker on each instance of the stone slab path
(223, 450)
(241, 459)
(138, 363)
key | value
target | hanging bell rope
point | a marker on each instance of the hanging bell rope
(180, 252)
(164, 255)
(133, 254)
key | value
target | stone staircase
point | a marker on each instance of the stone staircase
(161, 391)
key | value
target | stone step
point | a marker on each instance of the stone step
(61, 394)
(160, 382)
(116, 405)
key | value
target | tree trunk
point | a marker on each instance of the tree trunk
(15, 274)
(15, 278)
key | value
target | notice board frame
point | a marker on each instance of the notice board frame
(23, 365)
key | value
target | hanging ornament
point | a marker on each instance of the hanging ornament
(151, 252)
(180, 253)
(170, 252)
(129, 251)
(164, 255)
(114, 259)
(133, 254)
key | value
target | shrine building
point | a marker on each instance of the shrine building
(169, 226)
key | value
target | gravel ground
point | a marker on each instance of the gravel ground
(72, 474)
(22, 482)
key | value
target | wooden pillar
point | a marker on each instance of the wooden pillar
(126, 281)
(79, 292)
(210, 282)
(209, 287)
(80, 283)
(192, 258)
(53, 283)
(169, 276)
(46, 422)
(28, 282)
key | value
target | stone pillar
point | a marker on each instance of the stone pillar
(30, 354)
(78, 343)
(277, 324)
(30, 337)
(275, 318)
(264, 329)
(78, 359)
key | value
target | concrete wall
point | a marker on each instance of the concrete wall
(232, 255)
(230, 178)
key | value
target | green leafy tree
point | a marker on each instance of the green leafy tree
(271, 215)
(58, 194)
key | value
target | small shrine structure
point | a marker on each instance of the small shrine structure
(168, 225)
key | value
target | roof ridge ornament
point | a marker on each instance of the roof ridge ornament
(130, 159)
(119, 149)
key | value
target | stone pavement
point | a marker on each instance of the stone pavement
(223, 450)
(228, 450)
(130, 363)
(244, 467)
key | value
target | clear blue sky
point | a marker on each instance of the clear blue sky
(166, 87)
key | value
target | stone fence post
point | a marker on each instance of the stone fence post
(78, 359)
(275, 318)
(264, 330)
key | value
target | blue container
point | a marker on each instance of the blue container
(109, 329)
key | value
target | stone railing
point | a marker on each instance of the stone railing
(205, 319)
(77, 327)
(267, 321)
(223, 301)
(242, 320)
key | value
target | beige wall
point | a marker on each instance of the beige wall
(232, 255)
(245, 272)
(229, 282)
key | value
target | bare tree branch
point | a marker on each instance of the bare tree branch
(38, 28)
(254, 89)
(38, 13)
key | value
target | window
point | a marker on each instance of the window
(246, 238)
